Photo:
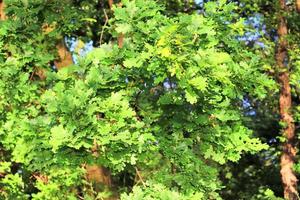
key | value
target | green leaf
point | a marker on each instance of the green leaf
(123, 28)
(219, 58)
(59, 136)
(199, 83)
(191, 96)
(132, 62)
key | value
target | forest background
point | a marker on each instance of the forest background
(146, 99)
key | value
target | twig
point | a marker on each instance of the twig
(105, 23)
(140, 177)
(32, 74)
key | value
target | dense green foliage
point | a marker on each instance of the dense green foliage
(166, 113)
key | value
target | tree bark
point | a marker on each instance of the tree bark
(65, 57)
(2, 13)
(110, 3)
(298, 6)
(99, 176)
(287, 160)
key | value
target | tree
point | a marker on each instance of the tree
(289, 179)
(163, 114)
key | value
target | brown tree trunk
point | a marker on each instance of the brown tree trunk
(288, 177)
(298, 6)
(110, 3)
(2, 13)
(65, 57)
(98, 174)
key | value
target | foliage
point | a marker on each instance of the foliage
(158, 191)
(168, 104)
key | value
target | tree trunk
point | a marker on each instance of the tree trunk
(110, 3)
(288, 177)
(2, 13)
(65, 57)
(298, 6)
